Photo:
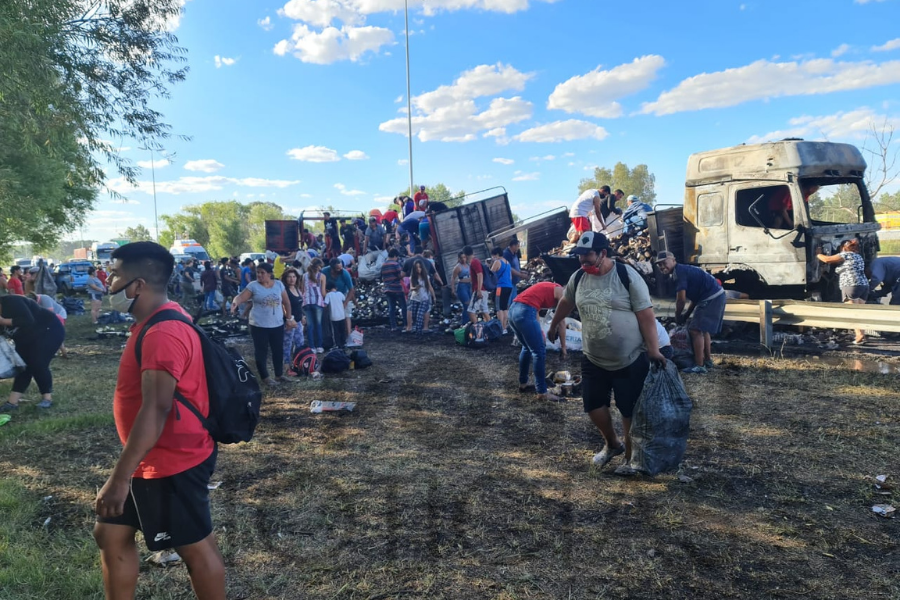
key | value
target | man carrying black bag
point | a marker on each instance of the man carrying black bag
(619, 337)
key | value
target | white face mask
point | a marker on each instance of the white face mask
(120, 301)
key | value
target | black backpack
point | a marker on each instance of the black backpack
(234, 395)
(493, 330)
(360, 359)
(335, 361)
(475, 335)
(489, 281)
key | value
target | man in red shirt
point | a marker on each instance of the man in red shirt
(479, 302)
(14, 285)
(102, 273)
(421, 199)
(159, 484)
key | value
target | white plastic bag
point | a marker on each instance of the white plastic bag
(573, 334)
(355, 339)
(11, 364)
(369, 267)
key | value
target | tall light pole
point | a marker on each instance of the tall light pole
(408, 101)
(153, 178)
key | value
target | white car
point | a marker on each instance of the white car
(254, 256)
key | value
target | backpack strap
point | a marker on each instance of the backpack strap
(170, 314)
(620, 270)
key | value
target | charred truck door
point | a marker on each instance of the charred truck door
(762, 232)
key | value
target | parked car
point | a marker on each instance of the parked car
(72, 276)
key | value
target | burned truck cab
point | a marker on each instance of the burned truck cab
(757, 215)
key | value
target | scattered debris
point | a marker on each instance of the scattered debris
(213, 485)
(48, 498)
(884, 510)
(685, 479)
(47, 521)
(164, 558)
(320, 406)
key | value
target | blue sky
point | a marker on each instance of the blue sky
(304, 103)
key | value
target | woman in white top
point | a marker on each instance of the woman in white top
(270, 315)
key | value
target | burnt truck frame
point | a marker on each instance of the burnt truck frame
(725, 224)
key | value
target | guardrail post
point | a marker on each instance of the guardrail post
(765, 323)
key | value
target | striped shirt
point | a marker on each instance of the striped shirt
(390, 275)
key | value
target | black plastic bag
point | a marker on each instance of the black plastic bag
(661, 422)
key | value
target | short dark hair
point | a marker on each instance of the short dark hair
(498, 251)
(148, 260)
(91, 270)
(467, 250)
(514, 242)
(265, 267)
(604, 188)
(335, 262)
(618, 191)
(330, 286)
(247, 261)
(15, 269)
(393, 253)
(207, 264)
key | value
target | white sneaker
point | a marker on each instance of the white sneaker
(320, 350)
(602, 458)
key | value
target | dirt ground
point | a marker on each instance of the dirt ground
(445, 482)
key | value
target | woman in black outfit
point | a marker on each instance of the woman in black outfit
(38, 337)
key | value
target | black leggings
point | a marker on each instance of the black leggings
(37, 348)
(265, 338)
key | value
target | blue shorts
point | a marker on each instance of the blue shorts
(708, 315)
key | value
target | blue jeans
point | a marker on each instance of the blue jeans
(314, 322)
(396, 299)
(464, 293)
(210, 301)
(523, 320)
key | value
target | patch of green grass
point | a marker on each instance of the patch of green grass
(890, 247)
(38, 561)
(58, 424)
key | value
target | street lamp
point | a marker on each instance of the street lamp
(153, 179)
(408, 101)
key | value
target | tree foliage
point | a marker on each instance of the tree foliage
(226, 228)
(638, 181)
(75, 74)
(138, 233)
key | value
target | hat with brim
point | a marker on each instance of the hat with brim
(591, 241)
(663, 256)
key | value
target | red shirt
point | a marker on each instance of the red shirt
(539, 296)
(421, 200)
(175, 348)
(14, 285)
(390, 216)
(475, 268)
(101, 275)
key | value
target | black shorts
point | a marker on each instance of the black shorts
(598, 384)
(503, 298)
(171, 511)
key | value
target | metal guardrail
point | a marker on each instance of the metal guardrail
(832, 315)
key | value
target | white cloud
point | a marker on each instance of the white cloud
(450, 113)
(498, 132)
(504, 161)
(562, 131)
(854, 124)
(224, 61)
(206, 165)
(526, 176)
(266, 23)
(399, 99)
(332, 44)
(403, 162)
(193, 185)
(867, 1)
(594, 93)
(156, 164)
(889, 45)
(568, 154)
(765, 79)
(316, 154)
(540, 158)
(343, 190)
(840, 50)
(356, 155)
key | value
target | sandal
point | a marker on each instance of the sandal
(9, 407)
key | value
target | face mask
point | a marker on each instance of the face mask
(592, 269)
(120, 301)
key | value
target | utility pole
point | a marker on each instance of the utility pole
(409, 102)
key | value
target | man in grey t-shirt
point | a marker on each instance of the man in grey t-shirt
(618, 330)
